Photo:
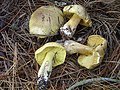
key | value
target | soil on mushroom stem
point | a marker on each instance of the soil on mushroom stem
(18, 68)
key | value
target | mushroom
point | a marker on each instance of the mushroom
(99, 44)
(46, 21)
(77, 15)
(50, 55)
(91, 55)
(88, 56)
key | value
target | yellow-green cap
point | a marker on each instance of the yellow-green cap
(80, 11)
(46, 21)
(60, 53)
(98, 43)
(89, 61)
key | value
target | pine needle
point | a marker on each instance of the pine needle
(92, 80)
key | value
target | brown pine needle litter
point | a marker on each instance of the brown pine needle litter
(18, 67)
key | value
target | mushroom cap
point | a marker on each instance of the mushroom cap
(59, 51)
(98, 43)
(46, 21)
(89, 61)
(80, 11)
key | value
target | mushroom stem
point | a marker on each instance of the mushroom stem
(73, 22)
(75, 47)
(45, 70)
(69, 28)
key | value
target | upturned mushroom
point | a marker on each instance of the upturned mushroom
(46, 21)
(91, 55)
(77, 15)
(99, 44)
(88, 58)
(50, 55)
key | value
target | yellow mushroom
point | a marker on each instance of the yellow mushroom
(91, 55)
(50, 55)
(99, 44)
(46, 21)
(88, 56)
(77, 15)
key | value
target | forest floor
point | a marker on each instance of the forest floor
(18, 67)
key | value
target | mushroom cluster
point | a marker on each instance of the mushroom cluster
(48, 21)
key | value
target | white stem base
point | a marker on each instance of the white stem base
(69, 28)
(45, 70)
